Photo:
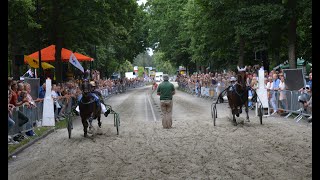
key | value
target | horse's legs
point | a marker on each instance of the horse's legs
(85, 126)
(99, 122)
(246, 105)
(234, 120)
(234, 111)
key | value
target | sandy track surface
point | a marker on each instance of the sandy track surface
(192, 149)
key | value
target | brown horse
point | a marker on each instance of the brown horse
(89, 107)
(238, 95)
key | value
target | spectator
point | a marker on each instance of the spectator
(11, 123)
(305, 97)
(56, 104)
(310, 81)
(274, 93)
(20, 89)
(32, 104)
(282, 97)
(14, 93)
(254, 86)
(29, 98)
(42, 91)
(269, 87)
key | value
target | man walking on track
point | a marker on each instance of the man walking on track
(166, 90)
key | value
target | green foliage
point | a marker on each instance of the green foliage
(125, 67)
(116, 27)
(140, 71)
(207, 32)
(162, 64)
(144, 60)
(191, 33)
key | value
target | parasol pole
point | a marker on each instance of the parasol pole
(39, 41)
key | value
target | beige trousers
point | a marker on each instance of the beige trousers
(166, 108)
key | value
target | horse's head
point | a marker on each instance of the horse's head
(85, 87)
(242, 77)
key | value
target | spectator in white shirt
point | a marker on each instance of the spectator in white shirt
(282, 97)
(269, 87)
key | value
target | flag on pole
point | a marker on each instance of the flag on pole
(73, 60)
(30, 73)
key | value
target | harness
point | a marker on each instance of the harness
(233, 88)
(94, 99)
(91, 101)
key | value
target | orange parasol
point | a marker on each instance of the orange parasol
(48, 54)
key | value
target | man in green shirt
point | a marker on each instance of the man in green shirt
(166, 90)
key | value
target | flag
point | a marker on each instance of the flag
(73, 60)
(30, 73)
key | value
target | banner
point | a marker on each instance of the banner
(73, 60)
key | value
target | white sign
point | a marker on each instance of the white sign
(48, 109)
(262, 91)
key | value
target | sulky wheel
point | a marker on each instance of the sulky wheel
(214, 115)
(69, 126)
(212, 110)
(260, 113)
(118, 123)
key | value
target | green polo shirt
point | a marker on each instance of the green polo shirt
(165, 88)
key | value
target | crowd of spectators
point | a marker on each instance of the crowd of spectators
(63, 94)
(274, 82)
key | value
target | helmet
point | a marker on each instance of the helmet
(233, 79)
(93, 83)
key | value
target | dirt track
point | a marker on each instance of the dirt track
(192, 149)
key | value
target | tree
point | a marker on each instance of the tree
(125, 67)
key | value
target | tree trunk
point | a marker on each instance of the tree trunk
(57, 38)
(292, 43)
(58, 61)
(292, 34)
(241, 52)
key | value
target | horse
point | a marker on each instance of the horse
(89, 108)
(238, 95)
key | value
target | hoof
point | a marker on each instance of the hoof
(247, 120)
(237, 114)
(85, 135)
(235, 123)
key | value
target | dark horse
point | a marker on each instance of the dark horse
(238, 95)
(89, 108)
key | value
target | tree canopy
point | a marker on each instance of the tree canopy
(226, 33)
(194, 33)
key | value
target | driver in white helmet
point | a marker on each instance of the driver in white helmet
(233, 81)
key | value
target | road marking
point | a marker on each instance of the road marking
(154, 116)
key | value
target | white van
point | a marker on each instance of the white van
(158, 76)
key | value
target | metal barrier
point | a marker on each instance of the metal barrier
(34, 115)
(288, 101)
(207, 92)
(120, 88)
